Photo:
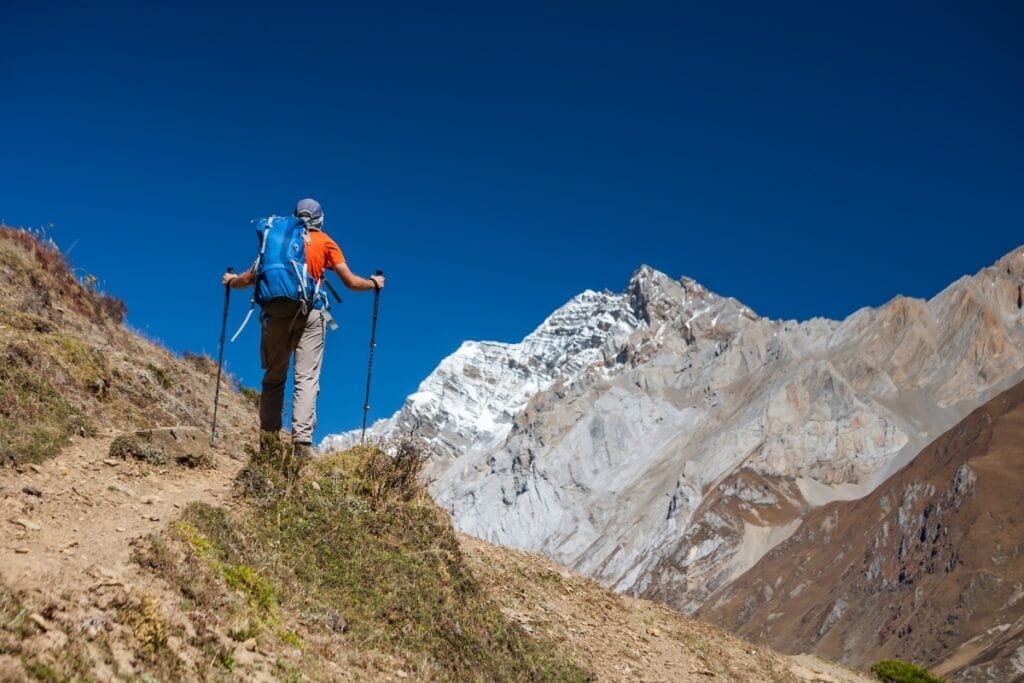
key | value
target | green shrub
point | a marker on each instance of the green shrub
(40, 671)
(161, 374)
(128, 446)
(251, 395)
(895, 671)
(123, 447)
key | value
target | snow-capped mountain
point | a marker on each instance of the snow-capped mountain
(664, 439)
(470, 401)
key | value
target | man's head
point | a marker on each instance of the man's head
(310, 210)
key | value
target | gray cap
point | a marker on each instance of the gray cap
(310, 208)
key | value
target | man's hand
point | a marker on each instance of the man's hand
(238, 281)
(379, 279)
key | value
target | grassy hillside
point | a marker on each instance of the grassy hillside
(69, 365)
(352, 560)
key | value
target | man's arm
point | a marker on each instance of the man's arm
(238, 281)
(356, 283)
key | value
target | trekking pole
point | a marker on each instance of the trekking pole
(373, 345)
(220, 358)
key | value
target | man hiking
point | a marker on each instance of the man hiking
(294, 324)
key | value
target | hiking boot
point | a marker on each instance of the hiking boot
(302, 454)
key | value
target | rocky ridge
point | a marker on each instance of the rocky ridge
(664, 439)
(929, 567)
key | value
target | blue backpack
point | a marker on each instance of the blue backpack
(284, 287)
(282, 278)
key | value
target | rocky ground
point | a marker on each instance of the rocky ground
(72, 524)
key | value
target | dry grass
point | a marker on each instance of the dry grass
(355, 554)
(68, 364)
(36, 419)
(392, 470)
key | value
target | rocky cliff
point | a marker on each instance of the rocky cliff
(928, 567)
(664, 439)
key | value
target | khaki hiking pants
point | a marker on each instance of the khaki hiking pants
(303, 335)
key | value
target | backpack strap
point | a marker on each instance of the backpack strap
(255, 270)
(300, 275)
(331, 288)
(263, 246)
(244, 322)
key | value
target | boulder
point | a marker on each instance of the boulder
(181, 444)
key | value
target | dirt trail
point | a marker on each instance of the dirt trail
(70, 552)
(89, 513)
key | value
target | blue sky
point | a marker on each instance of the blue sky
(497, 158)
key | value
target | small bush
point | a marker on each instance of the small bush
(41, 671)
(128, 446)
(271, 464)
(141, 616)
(200, 361)
(146, 623)
(250, 394)
(895, 671)
(254, 482)
(162, 377)
(394, 474)
(124, 447)
(227, 660)
(258, 591)
(13, 616)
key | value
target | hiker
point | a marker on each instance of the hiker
(296, 326)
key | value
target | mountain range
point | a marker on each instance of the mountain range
(665, 439)
(137, 544)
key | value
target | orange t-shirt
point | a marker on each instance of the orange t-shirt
(322, 253)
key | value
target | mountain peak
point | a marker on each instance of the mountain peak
(651, 293)
(644, 273)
